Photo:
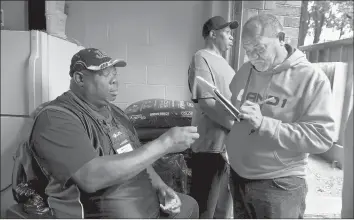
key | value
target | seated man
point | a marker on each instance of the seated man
(91, 154)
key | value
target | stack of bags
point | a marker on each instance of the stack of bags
(55, 18)
(152, 118)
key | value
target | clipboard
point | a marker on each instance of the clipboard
(229, 107)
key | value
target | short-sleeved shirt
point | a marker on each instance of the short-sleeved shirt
(61, 142)
(216, 70)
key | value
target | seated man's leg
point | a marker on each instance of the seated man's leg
(189, 209)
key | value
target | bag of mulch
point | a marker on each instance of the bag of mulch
(145, 134)
(160, 113)
(174, 172)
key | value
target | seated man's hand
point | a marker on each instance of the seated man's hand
(179, 139)
(170, 203)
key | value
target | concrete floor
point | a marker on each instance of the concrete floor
(325, 189)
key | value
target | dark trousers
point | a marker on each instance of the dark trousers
(272, 198)
(210, 178)
(189, 209)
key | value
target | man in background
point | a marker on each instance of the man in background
(209, 165)
(285, 103)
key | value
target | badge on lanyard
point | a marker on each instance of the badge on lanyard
(126, 148)
(120, 141)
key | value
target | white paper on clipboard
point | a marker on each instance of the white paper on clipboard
(231, 109)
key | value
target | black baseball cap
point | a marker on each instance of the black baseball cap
(217, 23)
(93, 59)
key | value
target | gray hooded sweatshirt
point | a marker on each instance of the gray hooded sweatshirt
(298, 122)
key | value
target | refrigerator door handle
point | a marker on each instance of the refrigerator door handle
(34, 56)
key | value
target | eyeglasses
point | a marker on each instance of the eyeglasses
(256, 51)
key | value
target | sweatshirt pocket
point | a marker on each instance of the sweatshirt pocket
(287, 158)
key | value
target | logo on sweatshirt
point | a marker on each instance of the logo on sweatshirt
(255, 97)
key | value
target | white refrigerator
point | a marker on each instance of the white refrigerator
(34, 69)
(44, 62)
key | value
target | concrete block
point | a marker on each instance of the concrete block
(145, 55)
(286, 10)
(270, 5)
(293, 3)
(168, 34)
(180, 56)
(137, 34)
(166, 75)
(268, 11)
(132, 74)
(178, 93)
(253, 4)
(135, 92)
(115, 49)
(96, 35)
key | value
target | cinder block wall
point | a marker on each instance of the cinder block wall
(15, 15)
(288, 13)
(157, 39)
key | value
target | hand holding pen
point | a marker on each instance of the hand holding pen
(251, 112)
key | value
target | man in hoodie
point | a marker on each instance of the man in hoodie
(268, 149)
(209, 166)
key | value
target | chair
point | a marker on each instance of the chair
(16, 212)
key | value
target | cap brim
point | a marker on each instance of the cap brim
(232, 25)
(119, 63)
(115, 63)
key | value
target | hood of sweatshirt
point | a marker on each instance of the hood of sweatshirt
(296, 57)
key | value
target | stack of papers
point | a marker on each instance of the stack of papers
(232, 110)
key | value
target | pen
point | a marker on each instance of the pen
(266, 100)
